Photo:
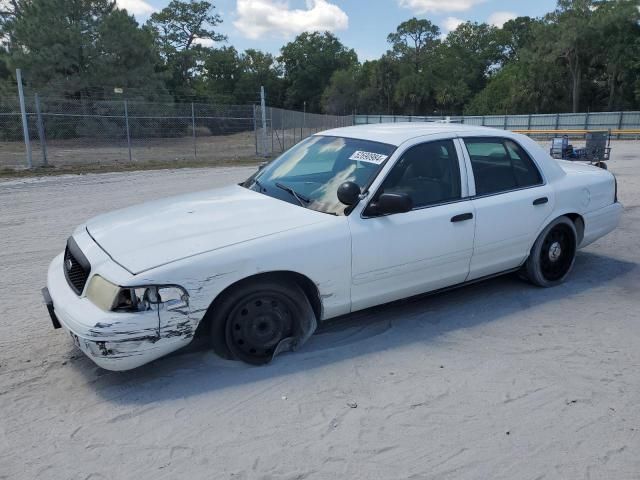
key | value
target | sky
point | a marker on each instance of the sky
(360, 24)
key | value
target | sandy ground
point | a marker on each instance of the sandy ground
(499, 380)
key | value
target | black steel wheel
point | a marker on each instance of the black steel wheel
(553, 254)
(257, 324)
(259, 318)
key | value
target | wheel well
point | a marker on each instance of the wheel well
(309, 288)
(578, 221)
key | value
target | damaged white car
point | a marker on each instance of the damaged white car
(345, 220)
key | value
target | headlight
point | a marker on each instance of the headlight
(102, 292)
(110, 297)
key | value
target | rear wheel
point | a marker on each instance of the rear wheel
(259, 319)
(553, 254)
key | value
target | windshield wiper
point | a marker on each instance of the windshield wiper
(257, 183)
(302, 200)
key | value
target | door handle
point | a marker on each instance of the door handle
(540, 201)
(462, 217)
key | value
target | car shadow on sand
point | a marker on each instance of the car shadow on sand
(420, 320)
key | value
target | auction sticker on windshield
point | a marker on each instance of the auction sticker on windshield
(370, 157)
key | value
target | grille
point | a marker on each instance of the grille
(76, 267)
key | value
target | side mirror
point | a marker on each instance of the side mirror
(390, 203)
(349, 193)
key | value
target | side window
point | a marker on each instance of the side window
(525, 170)
(429, 173)
(500, 165)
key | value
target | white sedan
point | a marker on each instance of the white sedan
(346, 219)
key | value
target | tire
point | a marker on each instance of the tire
(257, 320)
(553, 254)
(601, 165)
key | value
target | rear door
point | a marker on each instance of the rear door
(511, 201)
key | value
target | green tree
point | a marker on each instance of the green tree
(54, 41)
(127, 57)
(181, 29)
(259, 69)
(379, 81)
(572, 36)
(309, 62)
(81, 48)
(412, 47)
(618, 28)
(515, 35)
(463, 64)
(6, 79)
(413, 39)
(220, 74)
(341, 96)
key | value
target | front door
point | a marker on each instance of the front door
(427, 248)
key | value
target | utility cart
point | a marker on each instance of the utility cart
(596, 151)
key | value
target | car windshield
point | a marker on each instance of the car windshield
(310, 173)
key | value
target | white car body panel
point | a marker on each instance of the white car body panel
(198, 222)
(206, 242)
(398, 256)
(505, 226)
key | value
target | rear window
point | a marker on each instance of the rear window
(500, 164)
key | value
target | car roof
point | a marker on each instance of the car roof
(398, 133)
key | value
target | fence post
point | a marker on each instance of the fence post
(126, 122)
(43, 139)
(529, 122)
(271, 120)
(263, 109)
(255, 128)
(557, 121)
(193, 128)
(586, 121)
(483, 120)
(25, 122)
(620, 123)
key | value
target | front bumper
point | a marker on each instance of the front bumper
(49, 304)
(113, 340)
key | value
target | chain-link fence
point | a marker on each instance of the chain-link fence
(70, 132)
(285, 128)
(73, 132)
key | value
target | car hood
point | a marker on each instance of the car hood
(156, 233)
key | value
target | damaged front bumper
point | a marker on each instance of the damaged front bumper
(113, 340)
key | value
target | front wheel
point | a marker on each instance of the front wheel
(259, 319)
(553, 254)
